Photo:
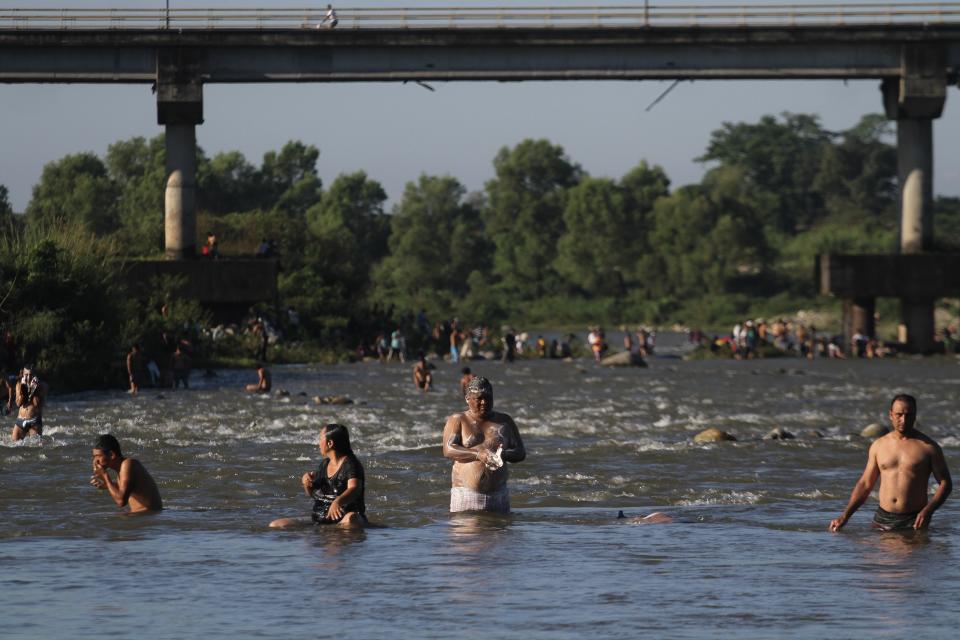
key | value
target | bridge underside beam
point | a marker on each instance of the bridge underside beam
(306, 55)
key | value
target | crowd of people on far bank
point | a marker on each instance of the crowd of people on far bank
(747, 338)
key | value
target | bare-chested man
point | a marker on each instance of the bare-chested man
(422, 378)
(134, 485)
(31, 393)
(903, 460)
(480, 441)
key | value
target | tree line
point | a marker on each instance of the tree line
(542, 243)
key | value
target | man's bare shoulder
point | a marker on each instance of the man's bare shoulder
(455, 417)
(500, 418)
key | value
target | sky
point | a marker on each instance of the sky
(397, 132)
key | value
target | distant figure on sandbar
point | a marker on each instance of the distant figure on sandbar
(903, 460)
(422, 378)
(180, 364)
(30, 396)
(337, 487)
(264, 380)
(479, 441)
(135, 368)
(134, 486)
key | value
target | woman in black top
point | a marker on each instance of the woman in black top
(337, 486)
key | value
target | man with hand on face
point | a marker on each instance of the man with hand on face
(903, 460)
(479, 441)
(134, 485)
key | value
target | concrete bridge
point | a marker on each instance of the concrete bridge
(911, 49)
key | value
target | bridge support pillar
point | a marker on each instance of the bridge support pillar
(914, 100)
(180, 109)
(859, 316)
(179, 216)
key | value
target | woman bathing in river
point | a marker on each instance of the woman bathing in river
(337, 486)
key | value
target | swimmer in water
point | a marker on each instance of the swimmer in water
(134, 486)
(422, 378)
(479, 441)
(657, 517)
(264, 380)
(337, 487)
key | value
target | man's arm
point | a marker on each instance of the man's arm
(942, 474)
(453, 443)
(861, 490)
(513, 449)
(119, 490)
(21, 398)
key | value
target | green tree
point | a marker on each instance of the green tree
(6, 210)
(76, 187)
(436, 242)
(63, 299)
(704, 238)
(288, 180)
(606, 229)
(782, 158)
(137, 169)
(858, 176)
(524, 215)
(227, 184)
(349, 228)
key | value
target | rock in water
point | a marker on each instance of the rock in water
(874, 430)
(778, 433)
(623, 359)
(332, 400)
(713, 435)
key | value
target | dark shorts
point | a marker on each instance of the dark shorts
(31, 423)
(887, 521)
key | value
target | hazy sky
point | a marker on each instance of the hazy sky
(395, 132)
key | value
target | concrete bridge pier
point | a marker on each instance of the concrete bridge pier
(179, 219)
(180, 109)
(914, 100)
(859, 316)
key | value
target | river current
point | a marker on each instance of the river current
(747, 555)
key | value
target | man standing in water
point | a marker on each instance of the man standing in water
(479, 441)
(903, 460)
(134, 485)
(31, 393)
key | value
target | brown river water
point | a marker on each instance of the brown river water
(748, 554)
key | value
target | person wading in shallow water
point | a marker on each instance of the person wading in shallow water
(479, 441)
(134, 485)
(903, 460)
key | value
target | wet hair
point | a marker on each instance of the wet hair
(107, 443)
(465, 370)
(338, 434)
(479, 386)
(258, 365)
(903, 397)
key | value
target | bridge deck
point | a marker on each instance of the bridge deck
(644, 15)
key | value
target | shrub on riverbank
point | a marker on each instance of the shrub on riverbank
(63, 303)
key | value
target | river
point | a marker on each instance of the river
(747, 555)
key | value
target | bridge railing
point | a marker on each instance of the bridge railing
(646, 15)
